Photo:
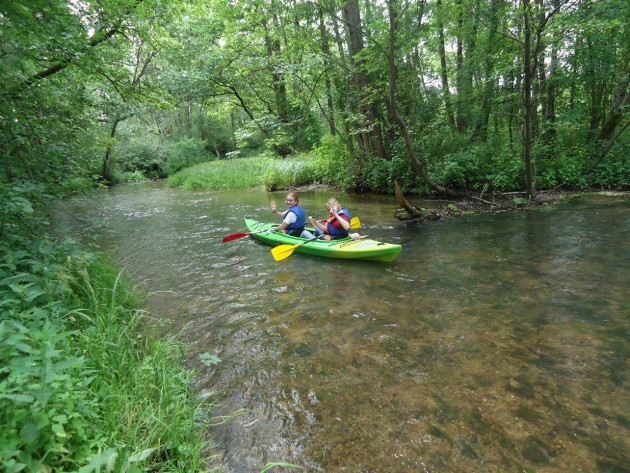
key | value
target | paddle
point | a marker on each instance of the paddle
(354, 223)
(284, 251)
(236, 236)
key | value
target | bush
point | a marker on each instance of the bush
(68, 401)
(376, 176)
(332, 164)
(185, 153)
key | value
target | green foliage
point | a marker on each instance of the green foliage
(71, 401)
(208, 359)
(249, 137)
(193, 82)
(185, 153)
(305, 128)
(48, 412)
(230, 173)
(140, 152)
(375, 176)
(613, 172)
(332, 164)
(519, 201)
(329, 164)
(284, 173)
(559, 166)
(68, 402)
(458, 170)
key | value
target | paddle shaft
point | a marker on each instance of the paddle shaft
(284, 251)
(354, 222)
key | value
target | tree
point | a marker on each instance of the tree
(125, 76)
(535, 21)
(392, 10)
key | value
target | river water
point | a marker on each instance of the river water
(494, 343)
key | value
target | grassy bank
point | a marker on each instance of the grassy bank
(473, 170)
(81, 388)
(329, 164)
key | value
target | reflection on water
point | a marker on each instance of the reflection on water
(494, 343)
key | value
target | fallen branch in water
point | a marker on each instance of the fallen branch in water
(471, 203)
(413, 212)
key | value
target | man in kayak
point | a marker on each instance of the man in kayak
(335, 226)
(293, 219)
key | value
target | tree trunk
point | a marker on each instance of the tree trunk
(108, 159)
(443, 67)
(277, 76)
(621, 100)
(481, 128)
(371, 138)
(463, 76)
(528, 73)
(418, 164)
(347, 100)
(552, 89)
(330, 114)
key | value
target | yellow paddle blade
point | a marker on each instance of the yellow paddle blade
(283, 251)
(355, 222)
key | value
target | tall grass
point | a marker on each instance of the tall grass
(233, 173)
(329, 164)
(81, 389)
(142, 387)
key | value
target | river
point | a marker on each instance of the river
(493, 343)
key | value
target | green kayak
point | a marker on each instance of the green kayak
(349, 248)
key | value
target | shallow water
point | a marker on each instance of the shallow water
(494, 343)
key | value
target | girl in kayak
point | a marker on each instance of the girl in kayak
(293, 219)
(335, 226)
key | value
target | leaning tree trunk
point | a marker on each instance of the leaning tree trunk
(620, 102)
(415, 160)
(108, 159)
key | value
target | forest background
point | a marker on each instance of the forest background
(441, 96)
(437, 95)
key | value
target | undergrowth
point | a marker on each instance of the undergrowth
(81, 388)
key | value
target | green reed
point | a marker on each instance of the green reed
(143, 389)
(247, 172)
(81, 387)
(329, 164)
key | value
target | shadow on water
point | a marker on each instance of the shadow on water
(493, 343)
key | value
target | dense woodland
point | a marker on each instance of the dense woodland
(440, 95)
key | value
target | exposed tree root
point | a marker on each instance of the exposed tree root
(482, 202)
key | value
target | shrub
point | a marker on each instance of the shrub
(143, 152)
(68, 402)
(185, 153)
(332, 164)
(376, 175)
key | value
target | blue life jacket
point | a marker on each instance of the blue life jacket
(338, 232)
(296, 228)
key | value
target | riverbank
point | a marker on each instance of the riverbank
(82, 385)
(491, 202)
